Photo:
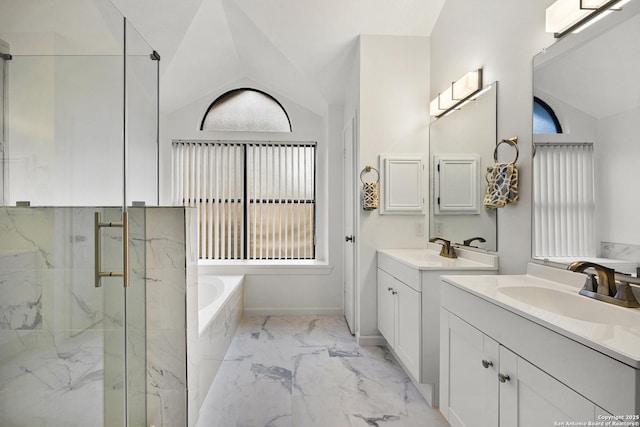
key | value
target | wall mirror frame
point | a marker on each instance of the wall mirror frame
(461, 147)
(590, 80)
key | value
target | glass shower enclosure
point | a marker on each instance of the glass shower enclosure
(79, 120)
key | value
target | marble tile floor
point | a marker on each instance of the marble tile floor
(308, 371)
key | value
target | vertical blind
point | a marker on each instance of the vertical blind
(564, 200)
(254, 200)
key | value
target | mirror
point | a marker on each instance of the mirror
(584, 203)
(461, 148)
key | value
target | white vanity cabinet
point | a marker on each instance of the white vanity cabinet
(408, 290)
(485, 384)
(501, 365)
(399, 317)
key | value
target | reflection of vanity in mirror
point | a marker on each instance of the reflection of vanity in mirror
(584, 203)
(462, 145)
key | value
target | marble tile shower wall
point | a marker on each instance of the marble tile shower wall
(172, 268)
(54, 323)
(181, 362)
(622, 251)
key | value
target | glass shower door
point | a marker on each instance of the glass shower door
(73, 351)
(4, 55)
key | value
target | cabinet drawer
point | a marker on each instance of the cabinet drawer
(407, 275)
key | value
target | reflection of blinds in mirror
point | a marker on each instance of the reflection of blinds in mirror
(254, 200)
(564, 200)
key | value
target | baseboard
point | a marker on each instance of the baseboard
(365, 340)
(293, 311)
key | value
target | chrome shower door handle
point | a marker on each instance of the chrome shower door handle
(125, 249)
(98, 225)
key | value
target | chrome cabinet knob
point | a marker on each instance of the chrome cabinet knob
(394, 292)
(389, 289)
(503, 378)
(487, 363)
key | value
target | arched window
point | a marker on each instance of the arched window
(544, 118)
(246, 110)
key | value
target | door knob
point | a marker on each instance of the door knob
(348, 238)
(503, 378)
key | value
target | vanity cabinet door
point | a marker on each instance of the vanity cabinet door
(468, 374)
(399, 320)
(386, 307)
(530, 397)
(409, 307)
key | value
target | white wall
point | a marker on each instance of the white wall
(393, 118)
(280, 290)
(501, 36)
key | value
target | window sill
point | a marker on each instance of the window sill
(259, 267)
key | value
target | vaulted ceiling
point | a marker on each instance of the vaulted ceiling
(302, 49)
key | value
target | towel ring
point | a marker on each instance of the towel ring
(512, 142)
(368, 169)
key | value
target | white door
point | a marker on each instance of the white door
(349, 226)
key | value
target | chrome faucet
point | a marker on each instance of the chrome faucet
(447, 250)
(604, 288)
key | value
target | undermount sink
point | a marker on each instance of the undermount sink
(430, 259)
(570, 305)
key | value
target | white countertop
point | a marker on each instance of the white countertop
(609, 329)
(430, 259)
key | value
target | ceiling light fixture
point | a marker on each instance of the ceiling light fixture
(460, 91)
(566, 16)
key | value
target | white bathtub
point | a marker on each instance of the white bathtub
(213, 293)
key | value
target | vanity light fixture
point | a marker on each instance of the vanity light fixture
(473, 97)
(460, 91)
(566, 16)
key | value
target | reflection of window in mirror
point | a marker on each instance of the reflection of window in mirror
(544, 118)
